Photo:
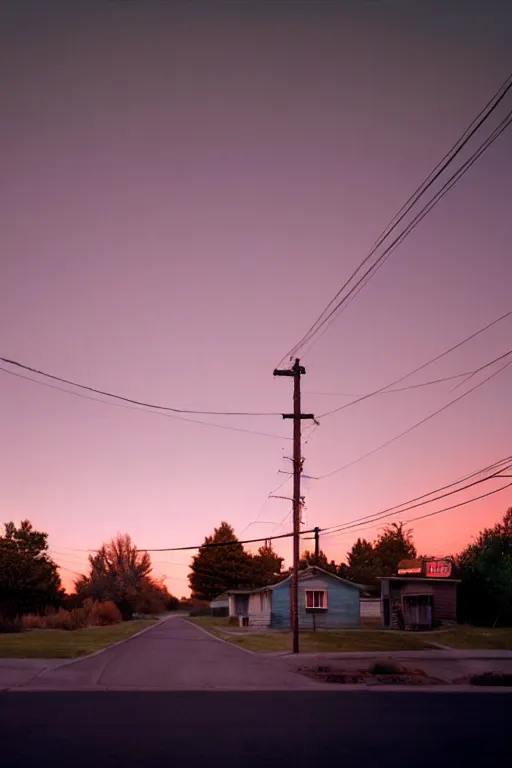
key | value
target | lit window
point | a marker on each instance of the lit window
(316, 599)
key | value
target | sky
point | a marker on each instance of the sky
(183, 188)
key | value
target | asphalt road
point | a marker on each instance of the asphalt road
(173, 655)
(259, 728)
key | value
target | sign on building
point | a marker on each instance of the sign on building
(438, 568)
(410, 568)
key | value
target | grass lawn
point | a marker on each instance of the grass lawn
(59, 644)
(312, 642)
(475, 638)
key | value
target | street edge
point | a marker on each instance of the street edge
(68, 662)
(220, 639)
(322, 688)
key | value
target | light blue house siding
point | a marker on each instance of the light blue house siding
(343, 602)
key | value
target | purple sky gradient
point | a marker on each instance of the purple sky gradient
(183, 189)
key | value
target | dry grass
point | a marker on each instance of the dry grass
(59, 644)
(91, 614)
(475, 638)
(315, 642)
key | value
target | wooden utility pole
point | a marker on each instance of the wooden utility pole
(296, 371)
(317, 544)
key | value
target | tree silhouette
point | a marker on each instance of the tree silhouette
(29, 579)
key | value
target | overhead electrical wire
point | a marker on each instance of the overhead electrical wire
(219, 543)
(398, 507)
(436, 512)
(461, 504)
(422, 421)
(141, 403)
(390, 391)
(484, 114)
(419, 368)
(364, 280)
(256, 519)
(386, 514)
(143, 409)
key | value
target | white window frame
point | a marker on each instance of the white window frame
(314, 607)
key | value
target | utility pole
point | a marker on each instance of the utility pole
(317, 544)
(296, 371)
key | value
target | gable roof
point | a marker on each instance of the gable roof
(307, 573)
(304, 574)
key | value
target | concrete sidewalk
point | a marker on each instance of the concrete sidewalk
(448, 666)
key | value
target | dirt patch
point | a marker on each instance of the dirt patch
(393, 676)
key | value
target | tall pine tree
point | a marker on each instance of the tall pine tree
(218, 568)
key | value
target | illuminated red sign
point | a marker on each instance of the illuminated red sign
(440, 569)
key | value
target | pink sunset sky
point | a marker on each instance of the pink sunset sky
(184, 187)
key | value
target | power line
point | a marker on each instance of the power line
(389, 513)
(256, 519)
(413, 199)
(453, 506)
(389, 391)
(456, 506)
(459, 480)
(364, 280)
(130, 400)
(221, 543)
(143, 410)
(422, 421)
(420, 367)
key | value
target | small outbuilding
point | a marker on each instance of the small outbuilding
(220, 605)
(325, 601)
(421, 596)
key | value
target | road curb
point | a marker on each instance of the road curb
(221, 640)
(68, 662)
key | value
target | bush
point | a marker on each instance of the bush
(91, 614)
(61, 620)
(105, 614)
(385, 668)
(8, 626)
(33, 621)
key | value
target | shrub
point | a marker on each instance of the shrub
(105, 614)
(385, 668)
(79, 618)
(60, 620)
(9, 625)
(33, 621)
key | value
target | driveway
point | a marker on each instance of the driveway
(172, 655)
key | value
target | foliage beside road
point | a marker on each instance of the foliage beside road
(60, 644)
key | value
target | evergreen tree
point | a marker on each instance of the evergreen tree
(485, 568)
(29, 579)
(218, 568)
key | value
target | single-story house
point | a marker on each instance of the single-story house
(421, 596)
(220, 605)
(325, 601)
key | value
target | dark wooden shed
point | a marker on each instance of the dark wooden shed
(417, 602)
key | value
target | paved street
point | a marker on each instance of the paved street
(172, 655)
(283, 728)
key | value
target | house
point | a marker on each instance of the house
(422, 595)
(325, 601)
(220, 606)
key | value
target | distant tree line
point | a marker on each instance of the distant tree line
(121, 574)
(220, 566)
